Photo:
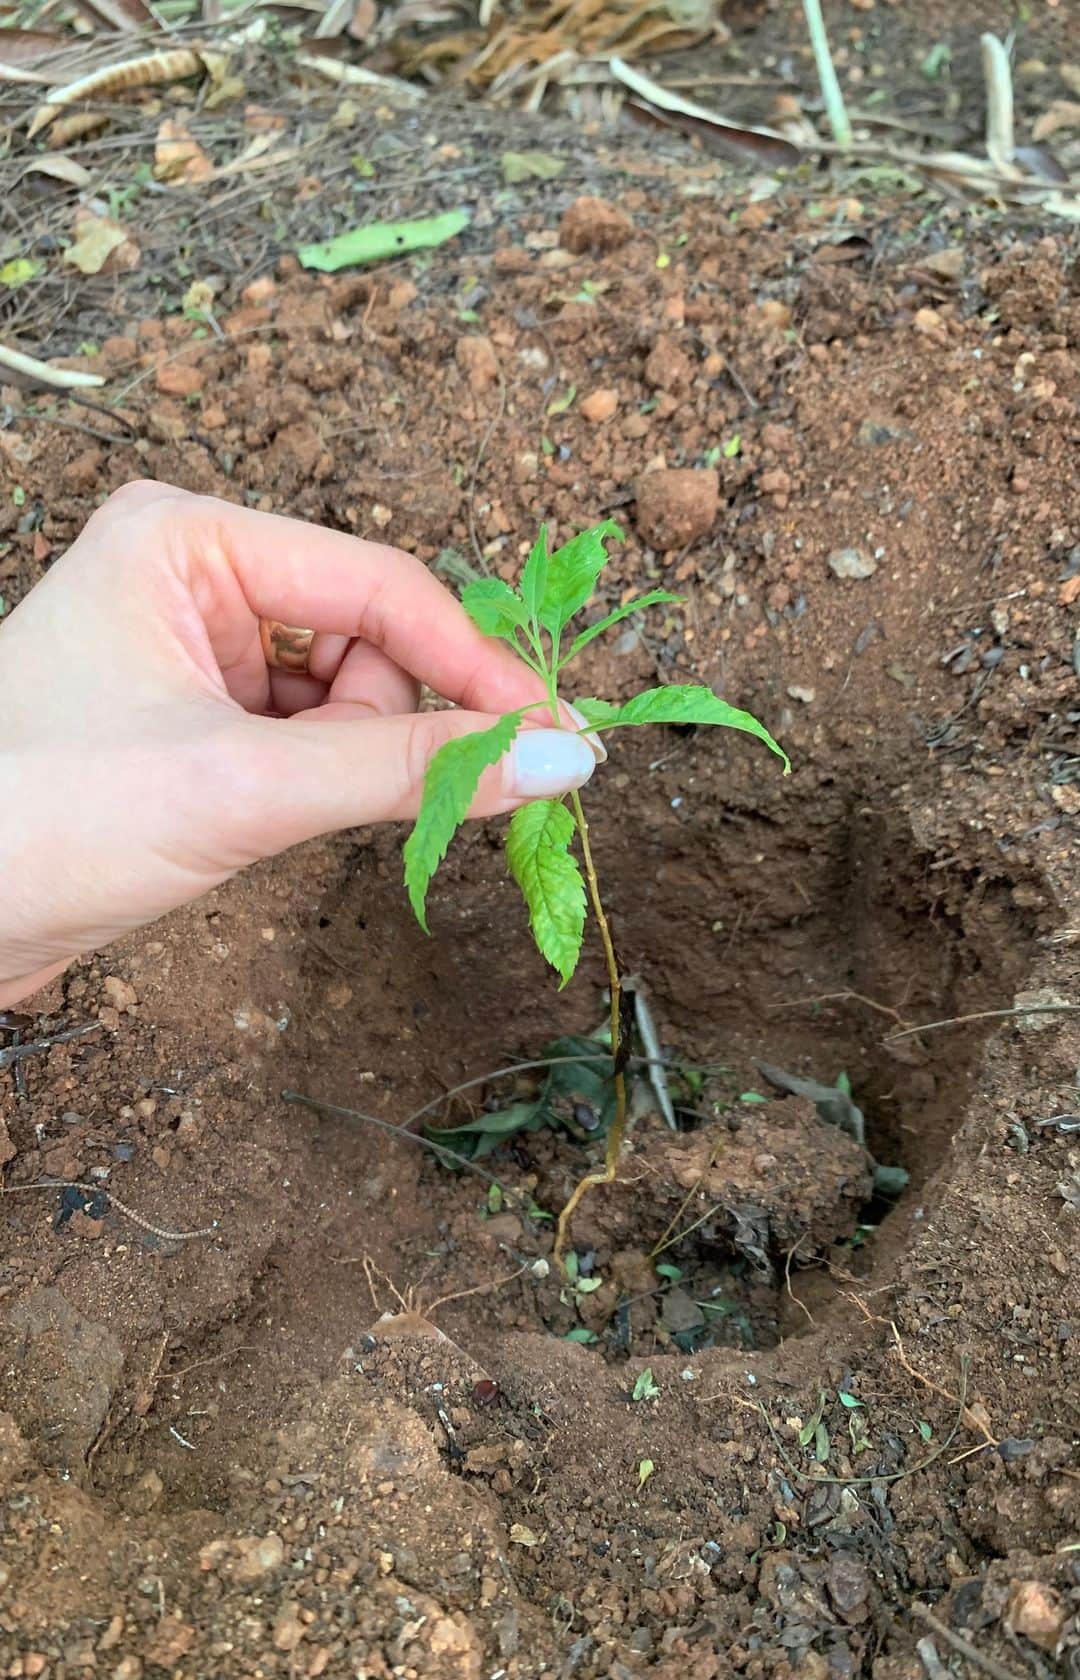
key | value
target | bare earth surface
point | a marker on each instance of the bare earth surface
(211, 1463)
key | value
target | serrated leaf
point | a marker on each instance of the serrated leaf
(597, 712)
(652, 599)
(549, 877)
(494, 607)
(451, 781)
(534, 575)
(679, 703)
(572, 573)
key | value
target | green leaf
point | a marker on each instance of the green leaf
(382, 239)
(572, 573)
(925, 1430)
(810, 1427)
(559, 405)
(645, 1388)
(732, 447)
(525, 166)
(573, 1265)
(848, 1400)
(598, 713)
(449, 786)
(821, 1444)
(678, 703)
(494, 1198)
(588, 1286)
(580, 1334)
(548, 875)
(667, 1269)
(534, 576)
(652, 599)
(494, 608)
(502, 1123)
(18, 271)
(644, 1471)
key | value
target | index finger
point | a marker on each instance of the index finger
(326, 580)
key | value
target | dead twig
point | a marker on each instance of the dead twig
(845, 996)
(212, 1359)
(884, 1476)
(961, 1646)
(986, 1015)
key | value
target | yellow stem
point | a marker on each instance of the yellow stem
(618, 1124)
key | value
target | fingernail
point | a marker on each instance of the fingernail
(590, 735)
(544, 762)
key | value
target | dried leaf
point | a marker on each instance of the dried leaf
(526, 166)
(76, 126)
(355, 75)
(522, 1536)
(1062, 113)
(178, 157)
(118, 14)
(715, 132)
(22, 52)
(60, 168)
(97, 238)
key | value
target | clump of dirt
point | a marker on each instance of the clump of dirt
(850, 1405)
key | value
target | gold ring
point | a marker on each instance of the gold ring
(286, 647)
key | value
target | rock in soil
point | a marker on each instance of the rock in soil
(677, 505)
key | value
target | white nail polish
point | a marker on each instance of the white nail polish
(545, 762)
(590, 735)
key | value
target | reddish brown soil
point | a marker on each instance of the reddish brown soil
(211, 1466)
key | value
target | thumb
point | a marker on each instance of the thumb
(307, 776)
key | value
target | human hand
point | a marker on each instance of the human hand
(149, 752)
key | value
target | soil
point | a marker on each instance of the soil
(342, 1431)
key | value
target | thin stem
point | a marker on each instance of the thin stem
(835, 108)
(618, 1124)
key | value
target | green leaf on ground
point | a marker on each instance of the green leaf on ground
(645, 1388)
(678, 703)
(449, 786)
(549, 876)
(530, 166)
(18, 271)
(382, 239)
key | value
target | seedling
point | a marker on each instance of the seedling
(533, 619)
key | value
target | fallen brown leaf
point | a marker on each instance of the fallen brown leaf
(1061, 113)
(76, 125)
(59, 168)
(97, 239)
(177, 156)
